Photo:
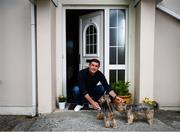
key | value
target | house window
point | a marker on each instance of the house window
(117, 44)
(91, 40)
(116, 75)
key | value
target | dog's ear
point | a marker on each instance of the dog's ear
(155, 105)
(101, 100)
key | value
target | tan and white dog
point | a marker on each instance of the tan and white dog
(137, 111)
(106, 111)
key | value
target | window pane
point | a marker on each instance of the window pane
(121, 55)
(87, 39)
(112, 55)
(113, 18)
(87, 31)
(95, 39)
(94, 30)
(91, 29)
(87, 49)
(121, 36)
(113, 36)
(91, 49)
(91, 39)
(121, 18)
(112, 76)
(121, 75)
(95, 49)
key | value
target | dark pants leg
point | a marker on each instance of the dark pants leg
(79, 99)
(97, 92)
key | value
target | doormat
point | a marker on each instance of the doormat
(73, 105)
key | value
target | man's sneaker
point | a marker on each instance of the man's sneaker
(78, 108)
(90, 106)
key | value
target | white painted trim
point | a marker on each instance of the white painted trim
(98, 38)
(85, 7)
(19, 110)
(136, 2)
(33, 44)
(55, 2)
(59, 57)
(80, 44)
(176, 108)
(126, 45)
(64, 88)
(168, 11)
(117, 67)
(95, 2)
(106, 43)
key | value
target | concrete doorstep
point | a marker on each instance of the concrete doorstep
(85, 120)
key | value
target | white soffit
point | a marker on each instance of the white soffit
(55, 2)
(172, 7)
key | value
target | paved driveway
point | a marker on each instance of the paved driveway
(86, 121)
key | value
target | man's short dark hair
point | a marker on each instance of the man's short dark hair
(94, 60)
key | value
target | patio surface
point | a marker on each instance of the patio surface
(85, 120)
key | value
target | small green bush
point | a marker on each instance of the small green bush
(62, 98)
(121, 88)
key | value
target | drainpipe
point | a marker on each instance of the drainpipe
(33, 45)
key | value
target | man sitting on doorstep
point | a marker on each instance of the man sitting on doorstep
(87, 88)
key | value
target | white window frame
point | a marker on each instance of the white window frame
(97, 40)
(109, 67)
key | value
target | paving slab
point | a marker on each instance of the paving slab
(69, 120)
(86, 121)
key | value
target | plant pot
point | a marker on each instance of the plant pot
(127, 99)
(62, 105)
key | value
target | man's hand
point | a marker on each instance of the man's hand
(95, 105)
(92, 102)
(115, 97)
(119, 100)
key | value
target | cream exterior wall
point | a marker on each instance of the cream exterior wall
(46, 55)
(15, 57)
(146, 63)
(131, 48)
(144, 66)
(137, 52)
(167, 62)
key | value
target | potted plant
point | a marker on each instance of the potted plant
(62, 102)
(121, 88)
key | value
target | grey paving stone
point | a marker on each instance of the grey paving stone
(86, 121)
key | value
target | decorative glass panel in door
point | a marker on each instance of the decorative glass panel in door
(117, 44)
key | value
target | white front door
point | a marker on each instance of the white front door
(91, 38)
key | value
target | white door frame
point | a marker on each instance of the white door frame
(106, 39)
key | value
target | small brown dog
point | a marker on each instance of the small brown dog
(106, 112)
(137, 111)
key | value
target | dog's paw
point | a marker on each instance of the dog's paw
(114, 123)
(107, 124)
(100, 116)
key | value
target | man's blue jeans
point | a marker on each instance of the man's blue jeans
(95, 94)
